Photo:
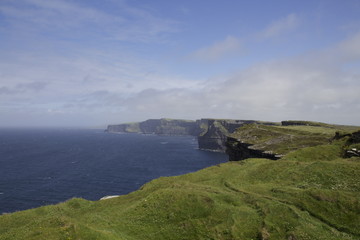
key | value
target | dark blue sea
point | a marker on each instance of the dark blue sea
(47, 166)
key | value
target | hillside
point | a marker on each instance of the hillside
(310, 193)
(275, 141)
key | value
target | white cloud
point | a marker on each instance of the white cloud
(350, 48)
(22, 88)
(226, 47)
(111, 84)
(280, 26)
(306, 87)
(60, 17)
(89, 82)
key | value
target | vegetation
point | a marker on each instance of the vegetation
(133, 128)
(311, 193)
(285, 139)
(203, 128)
(320, 124)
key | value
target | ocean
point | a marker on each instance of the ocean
(47, 166)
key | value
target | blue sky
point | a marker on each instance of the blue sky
(93, 63)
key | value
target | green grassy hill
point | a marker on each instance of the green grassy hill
(284, 139)
(310, 193)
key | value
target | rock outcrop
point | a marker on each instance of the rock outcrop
(354, 138)
(215, 132)
(353, 152)
(352, 143)
(239, 150)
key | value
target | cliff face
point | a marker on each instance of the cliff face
(211, 133)
(124, 128)
(158, 126)
(242, 139)
(214, 133)
(169, 127)
(238, 150)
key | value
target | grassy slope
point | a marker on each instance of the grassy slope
(322, 125)
(311, 193)
(285, 139)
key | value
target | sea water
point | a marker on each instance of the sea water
(47, 166)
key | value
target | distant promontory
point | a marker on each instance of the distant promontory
(240, 139)
(211, 133)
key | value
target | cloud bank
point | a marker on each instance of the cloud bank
(72, 63)
(229, 46)
(280, 26)
(67, 17)
(314, 86)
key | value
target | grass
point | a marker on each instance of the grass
(346, 128)
(311, 193)
(285, 139)
(255, 199)
(312, 129)
(132, 128)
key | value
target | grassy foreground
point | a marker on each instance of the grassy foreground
(311, 193)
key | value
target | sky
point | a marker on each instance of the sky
(89, 63)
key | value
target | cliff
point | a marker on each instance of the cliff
(212, 133)
(215, 132)
(161, 126)
(242, 139)
(239, 150)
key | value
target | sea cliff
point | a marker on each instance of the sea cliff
(242, 139)
(211, 133)
(161, 126)
(215, 132)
